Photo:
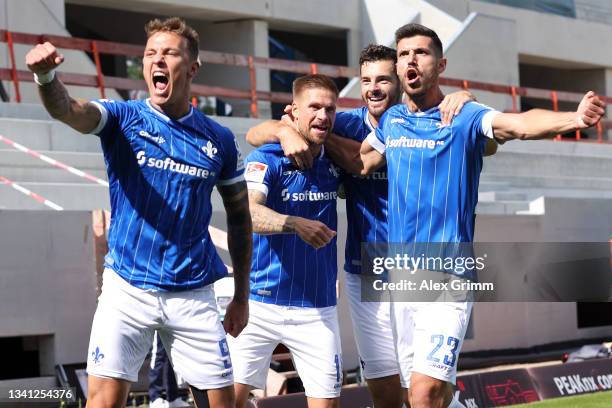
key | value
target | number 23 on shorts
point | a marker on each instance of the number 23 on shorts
(452, 344)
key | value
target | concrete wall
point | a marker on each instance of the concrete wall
(478, 55)
(315, 14)
(248, 37)
(517, 325)
(47, 281)
(42, 17)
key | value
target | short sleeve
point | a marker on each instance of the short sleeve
(482, 119)
(233, 165)
(260, 171)
(112, 113)
(377, 138)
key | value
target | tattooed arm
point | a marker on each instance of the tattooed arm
(267, 221)
(81, 116)
(240, 245)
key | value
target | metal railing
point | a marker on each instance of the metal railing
(101, 81)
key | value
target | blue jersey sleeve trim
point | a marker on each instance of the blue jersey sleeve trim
(103, 118)
(373, 140)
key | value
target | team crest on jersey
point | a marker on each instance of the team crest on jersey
(255, 172)
(335, 171)
(209, 149)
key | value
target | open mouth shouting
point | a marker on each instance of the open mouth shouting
(160, 82)
(412, 75)
(319, 130)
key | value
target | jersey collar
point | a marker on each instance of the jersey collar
(367, 121)
(427, 112)
(166, 117)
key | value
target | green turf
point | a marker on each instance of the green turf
(596, 400)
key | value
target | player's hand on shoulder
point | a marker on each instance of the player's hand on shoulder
(236, 317)
(590, 111)
(43, 58)
(452, 104)
(314, 233)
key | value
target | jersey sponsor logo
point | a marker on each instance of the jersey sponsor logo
(255, 172)
(158, 139)
(397, 120)
(172, 166)
(414, 143)
(263, 292)
(210, 149)
(309, 195)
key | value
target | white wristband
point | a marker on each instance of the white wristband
(44, 79)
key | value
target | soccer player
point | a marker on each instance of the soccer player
(163, 159)
(433, 173)
(366, 207)
(294, 267)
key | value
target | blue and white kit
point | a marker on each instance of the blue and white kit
(293, 285)
(161, 173)
(366, 213)
(433, 173)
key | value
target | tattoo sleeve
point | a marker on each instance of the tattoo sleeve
(81, 116)
(265, 220)
(239, 235)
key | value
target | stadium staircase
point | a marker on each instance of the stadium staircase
(519, 173)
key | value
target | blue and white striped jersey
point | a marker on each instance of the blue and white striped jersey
(366, 197)
(286, 270)
(433, 171)
(161, 173)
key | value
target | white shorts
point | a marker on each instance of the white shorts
(188, 324)
(372, 330)
(311, 334)
(428, 337)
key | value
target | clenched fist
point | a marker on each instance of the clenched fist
(43, 58)
(590, 111)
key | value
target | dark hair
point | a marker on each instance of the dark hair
(314, 81)
(374, 53)
(178, 26)
(413, 29)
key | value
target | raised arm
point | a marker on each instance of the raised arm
(274, 131)
(240, 245)
(81, 116)
(267, 221)
(345, 153)
(540, 123)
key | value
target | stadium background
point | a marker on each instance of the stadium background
(541, 191)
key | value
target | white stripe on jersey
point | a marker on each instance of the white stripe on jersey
(103, 118)
(375, 143)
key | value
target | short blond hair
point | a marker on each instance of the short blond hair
(313, 81)
(178, 26)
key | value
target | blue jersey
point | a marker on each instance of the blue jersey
(286, 270)
(161, 174)
(366, 197)
(434, 171)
